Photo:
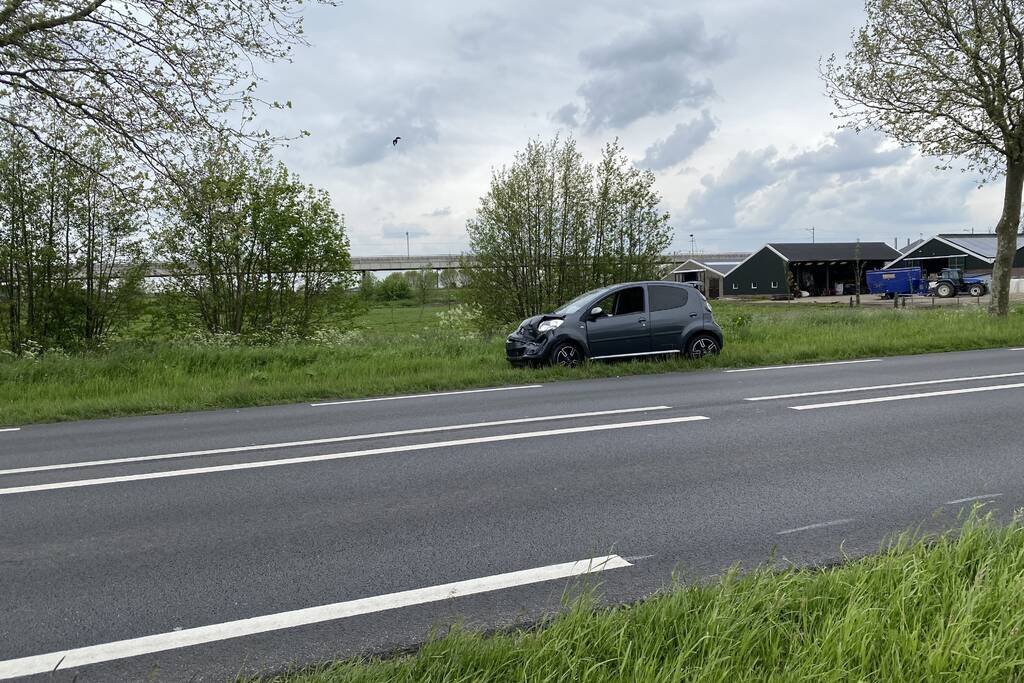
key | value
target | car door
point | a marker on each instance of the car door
(670, 314)
(622, 327)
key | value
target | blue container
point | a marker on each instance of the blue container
(893, 281)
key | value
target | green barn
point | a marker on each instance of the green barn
(974, 254)
(821, 268)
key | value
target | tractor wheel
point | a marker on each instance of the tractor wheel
(944, 290)
(976, 290)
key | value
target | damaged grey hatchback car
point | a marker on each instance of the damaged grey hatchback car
(630, 320)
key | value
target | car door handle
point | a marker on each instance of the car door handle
(693, 315)
(643, 322)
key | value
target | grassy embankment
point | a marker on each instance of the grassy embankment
(946, 609)
(405, 349)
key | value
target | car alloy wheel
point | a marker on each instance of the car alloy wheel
(568, 356)
(703, 346)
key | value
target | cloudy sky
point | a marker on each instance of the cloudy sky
(721, 99)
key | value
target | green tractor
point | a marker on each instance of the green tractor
(951, 281)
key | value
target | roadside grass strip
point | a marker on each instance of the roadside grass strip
(908, 397)
(924, 609)
(329, 440)
(100, 481)
(95, 654)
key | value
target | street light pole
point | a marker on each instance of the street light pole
(407, 253)
(811, 230)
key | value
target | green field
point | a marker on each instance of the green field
(404, 349)
(924, 609)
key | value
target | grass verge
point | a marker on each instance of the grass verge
(943, 609)
(406, 351)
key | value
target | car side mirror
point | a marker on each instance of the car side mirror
(596, 312)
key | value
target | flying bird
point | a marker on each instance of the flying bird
(394, 143)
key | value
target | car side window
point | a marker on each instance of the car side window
(664, 298)
(629, 300)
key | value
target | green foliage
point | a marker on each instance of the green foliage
(949, 607)
(148, 373)
(68, 241)
(395, 287)
(552, 227)
(252, 247)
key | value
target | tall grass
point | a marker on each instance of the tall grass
(407, 350)
(944, 609)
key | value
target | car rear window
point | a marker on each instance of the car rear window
(664, 298)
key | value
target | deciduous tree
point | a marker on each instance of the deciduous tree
(553, 226)
(946, 76)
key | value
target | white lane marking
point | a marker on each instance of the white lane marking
(809, 527)
(336, 439)
(11, 429)
(341, 456)
(1018, 349)
(907, 397)
(95, 654)
(440, 393)
(880, 387)
(807, 365)
(973, 498)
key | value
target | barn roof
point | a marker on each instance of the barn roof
(834, 251)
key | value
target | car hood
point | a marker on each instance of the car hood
(528, 328)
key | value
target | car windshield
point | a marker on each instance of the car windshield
(577, 303)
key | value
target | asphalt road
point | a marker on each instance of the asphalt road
(175, 563)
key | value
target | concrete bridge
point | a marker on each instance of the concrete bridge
(367, 264)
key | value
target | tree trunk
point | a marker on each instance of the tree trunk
(1006, 238)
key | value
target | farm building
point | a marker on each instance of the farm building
(819, 268)
(974, 254)
(710, 274)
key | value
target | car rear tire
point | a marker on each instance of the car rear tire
(702, 345)
(567, 355)
(976, 290)
(944, 290)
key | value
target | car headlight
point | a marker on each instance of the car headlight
(549, 325)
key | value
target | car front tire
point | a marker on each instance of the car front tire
(567, 355)
(702, 345)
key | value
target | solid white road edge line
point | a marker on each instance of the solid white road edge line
(335, 439)
(11, 429)
(973, 498)
(439, 393)
(806, 365)
(95, 654)
(809, 527)
(340, 456)
(907, 397)
(880, 387)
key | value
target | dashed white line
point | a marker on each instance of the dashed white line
(335, 439)
(95, 654)
(341, 456)
(807, 365)
(987, 496)
(882, 387)
(907, 397)
(809, 527)
(434, 395)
